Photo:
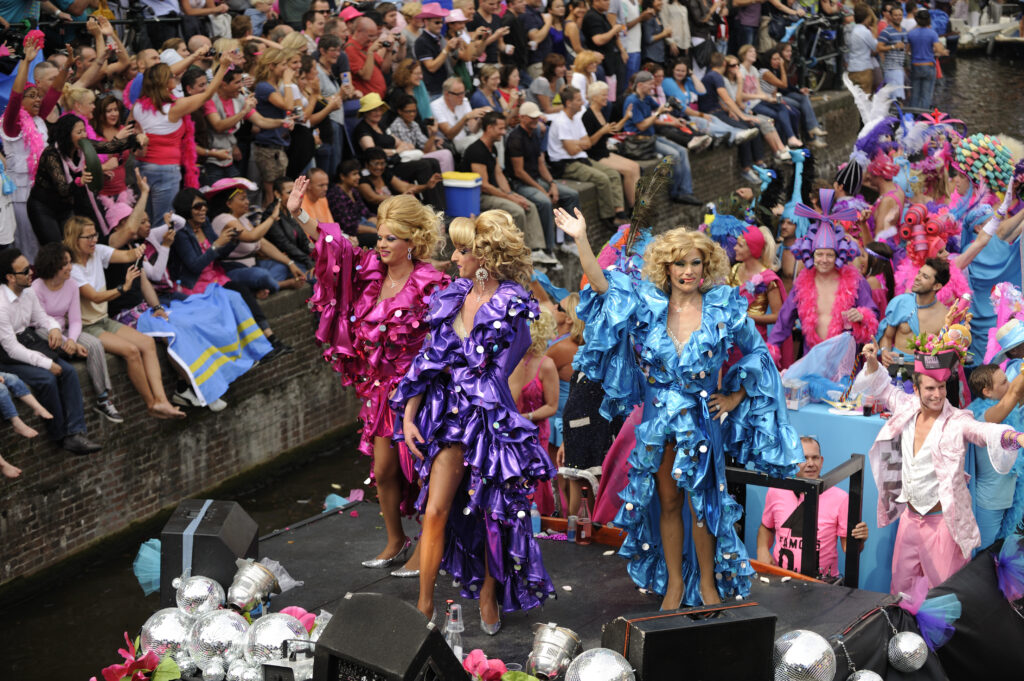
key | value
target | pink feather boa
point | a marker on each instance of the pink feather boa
(33, 140)
(189, 155)
(806, 292)
(954, 288)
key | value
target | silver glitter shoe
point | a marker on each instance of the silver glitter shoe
(388, 562)
(403, 572)
(491, 629)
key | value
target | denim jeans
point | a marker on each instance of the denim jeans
(215, 172)
(922, 85)
(568, 198)
(896, 77)
(802, 103)
(254, 278)
(780, 115)
(11, 387)
(632, 64)
(164, 183)
(750, 151)
(682, 182)
(59, 395)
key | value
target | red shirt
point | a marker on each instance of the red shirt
(356, 59)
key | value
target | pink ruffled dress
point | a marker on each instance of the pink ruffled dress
(370, 342)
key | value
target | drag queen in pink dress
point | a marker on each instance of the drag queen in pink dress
(479, 457)
(373, 307)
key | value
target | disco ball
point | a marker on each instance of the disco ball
(802, 655)
(186, 665)
(165, 632)
(907, 651)
(864, 675)
(214, 670)
(252, 674)
(267, 635)
(599, 664)
(215, 633)
(235, 669)
(197, 594)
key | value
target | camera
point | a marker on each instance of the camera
(385, 43)
(675, 103)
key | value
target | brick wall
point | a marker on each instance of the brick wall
(62, 504)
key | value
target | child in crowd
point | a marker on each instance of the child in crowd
(347, 205)
(12, 385)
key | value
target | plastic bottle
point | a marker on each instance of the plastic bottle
(453, 629)
(570, 528)
(535, 519)
(584, 525)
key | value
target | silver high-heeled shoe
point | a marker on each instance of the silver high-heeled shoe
(388, 562)
(491, 629)
(403, 572)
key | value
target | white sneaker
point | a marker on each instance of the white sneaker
(543, 257)
(217, 405)
(748, 134)
(186, 398)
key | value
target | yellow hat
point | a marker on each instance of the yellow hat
(370, 102)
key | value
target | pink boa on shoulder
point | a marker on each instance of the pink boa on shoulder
(33, 140)
(806, 292)
(954, 288)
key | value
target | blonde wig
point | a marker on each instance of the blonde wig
(542, 329)
(585, 59)
(497, 243)
(667, 248)
(412, 221)
(568, 305)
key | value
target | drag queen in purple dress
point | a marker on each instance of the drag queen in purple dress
(478, 454)
(372, 305)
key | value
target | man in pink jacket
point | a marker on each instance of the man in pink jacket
(918, 463)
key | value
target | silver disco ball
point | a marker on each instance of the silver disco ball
(599, 664)
(864, 675)
(268, 634)
(215, 633)
(907, 651)
(252, 674)
(214, 670)
(165, 632)
(198, 594)
(186, 665)
(802, 655)
(235, 669)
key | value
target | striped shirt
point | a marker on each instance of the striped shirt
(893, 60)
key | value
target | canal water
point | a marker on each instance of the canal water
(70, 630)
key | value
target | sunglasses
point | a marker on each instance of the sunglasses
(23, 272)
(199, 206)
(457, 94)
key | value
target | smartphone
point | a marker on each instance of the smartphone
(428, 122)
(346, 78)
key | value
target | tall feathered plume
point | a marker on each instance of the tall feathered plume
(872, 109)
(647, 187)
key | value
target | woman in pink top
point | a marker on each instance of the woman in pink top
(60, 298)
(167, 122)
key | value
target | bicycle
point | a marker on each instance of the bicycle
(818, 51)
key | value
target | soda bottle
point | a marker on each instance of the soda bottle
(535, 519)
(584, 525)
(453, 629)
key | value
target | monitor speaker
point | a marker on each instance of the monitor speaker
(696, 644)
(373, 637)
(224, 532)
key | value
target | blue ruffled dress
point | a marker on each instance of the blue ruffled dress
(628, 349)
(467, 401)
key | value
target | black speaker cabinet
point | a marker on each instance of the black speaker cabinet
(373, 637)
(224, 534)
(696, 644)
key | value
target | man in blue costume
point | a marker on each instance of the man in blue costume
(909, 314)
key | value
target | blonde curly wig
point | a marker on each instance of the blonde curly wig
(412, 221)
(667, 248)
(542, 329)
(497, 243)
(568, 305)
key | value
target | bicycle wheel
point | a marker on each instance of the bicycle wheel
(818, 76)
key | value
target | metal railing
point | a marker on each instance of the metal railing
(812, 489)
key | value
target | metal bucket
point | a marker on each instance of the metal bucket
(554, 647)
(252, 584)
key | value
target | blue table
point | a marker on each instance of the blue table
(839, 436)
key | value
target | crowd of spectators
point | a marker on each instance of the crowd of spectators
(368, 100)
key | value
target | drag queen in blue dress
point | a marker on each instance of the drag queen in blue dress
(477, 454)
(663, 342)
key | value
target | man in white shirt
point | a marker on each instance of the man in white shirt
(568, 142)
(631, 16)
(23, 353)
(918, 464)
(457, 120)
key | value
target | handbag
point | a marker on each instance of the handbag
(637, 147)
(702, 53)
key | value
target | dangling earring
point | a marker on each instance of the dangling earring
(408, 254)
(481, 277)
(702, 281)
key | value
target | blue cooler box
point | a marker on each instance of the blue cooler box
(462, 194)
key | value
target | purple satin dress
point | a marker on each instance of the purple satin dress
(467, 401)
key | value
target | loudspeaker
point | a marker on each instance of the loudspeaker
(224, 533)
(373, 637)
(696, 644)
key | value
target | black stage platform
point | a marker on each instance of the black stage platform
(593, 589)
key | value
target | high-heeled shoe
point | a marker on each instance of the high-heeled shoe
(388, 562)
(491, 629)
(405, 572)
